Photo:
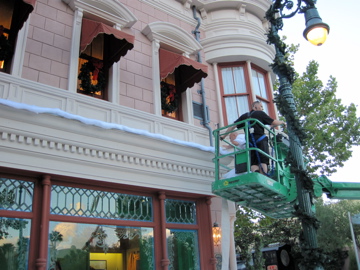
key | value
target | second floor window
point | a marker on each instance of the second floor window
(177, 74)
(261, 90)
(240, 87)
(13, 14)
(236, 94)
(100, 47)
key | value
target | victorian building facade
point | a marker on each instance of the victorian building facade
(107, 109)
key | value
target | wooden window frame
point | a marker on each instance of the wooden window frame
(268, 88)
(247, 85)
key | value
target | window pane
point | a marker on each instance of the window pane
(76, 246)
(228, 83)
(259, 84)
(236, 106)
(180, 211)
(183, 249)
(16, 195)
(94, 203)
(266, 107)
(233, 80)
(239, 80)
(14, 243)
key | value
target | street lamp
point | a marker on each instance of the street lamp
(279, 10)
(316, 31)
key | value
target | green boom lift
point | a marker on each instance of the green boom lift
(273, 195)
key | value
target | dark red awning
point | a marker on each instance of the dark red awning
(118, 46)
(24, 9)
(188, 70)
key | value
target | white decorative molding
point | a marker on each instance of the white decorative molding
(237, 47)
(59, 146)
(111, 11)
(169, 34)
(33, 93)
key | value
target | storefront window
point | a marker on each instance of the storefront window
(178, 211)
(16, 195)
(99, 204)
(74, 246)
(14, 243)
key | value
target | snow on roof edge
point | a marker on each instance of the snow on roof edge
(101, 124)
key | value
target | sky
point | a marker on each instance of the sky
(338, 57)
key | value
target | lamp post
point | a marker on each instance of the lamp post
(279, 10)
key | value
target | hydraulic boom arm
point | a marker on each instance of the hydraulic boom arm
(336, 190)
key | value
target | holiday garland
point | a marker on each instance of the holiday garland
(169, 97)
(310, 257)
(92, 70)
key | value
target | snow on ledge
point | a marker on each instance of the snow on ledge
(101, 124)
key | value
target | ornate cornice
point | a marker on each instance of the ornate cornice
(58, 146)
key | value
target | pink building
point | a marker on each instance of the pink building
(107, 109)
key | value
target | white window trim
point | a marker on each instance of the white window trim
(170, 35)
(19, 54)
(109, 12)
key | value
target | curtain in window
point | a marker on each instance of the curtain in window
(236, 106)
(233, 80)
(239, 80)
(187, 70)
(117, 46)
(234, 83)
(259, 84)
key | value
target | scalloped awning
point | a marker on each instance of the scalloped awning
(24, 9)
(118, 46)
(188, 71)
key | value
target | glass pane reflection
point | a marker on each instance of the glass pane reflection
(183, 249)
(74, 246)
(14, 243)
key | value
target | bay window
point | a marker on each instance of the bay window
(241, 84)
(235, 91)
(261, 89)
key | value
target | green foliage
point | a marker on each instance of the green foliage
(259, 261)
(75, 259)
(331, 127)
(335, 228)
(250, 226)
(333, 236)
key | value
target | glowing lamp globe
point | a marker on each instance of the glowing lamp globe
(316, 31)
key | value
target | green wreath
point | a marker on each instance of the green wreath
(169, 98)
(5, 48)
(95, 68)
